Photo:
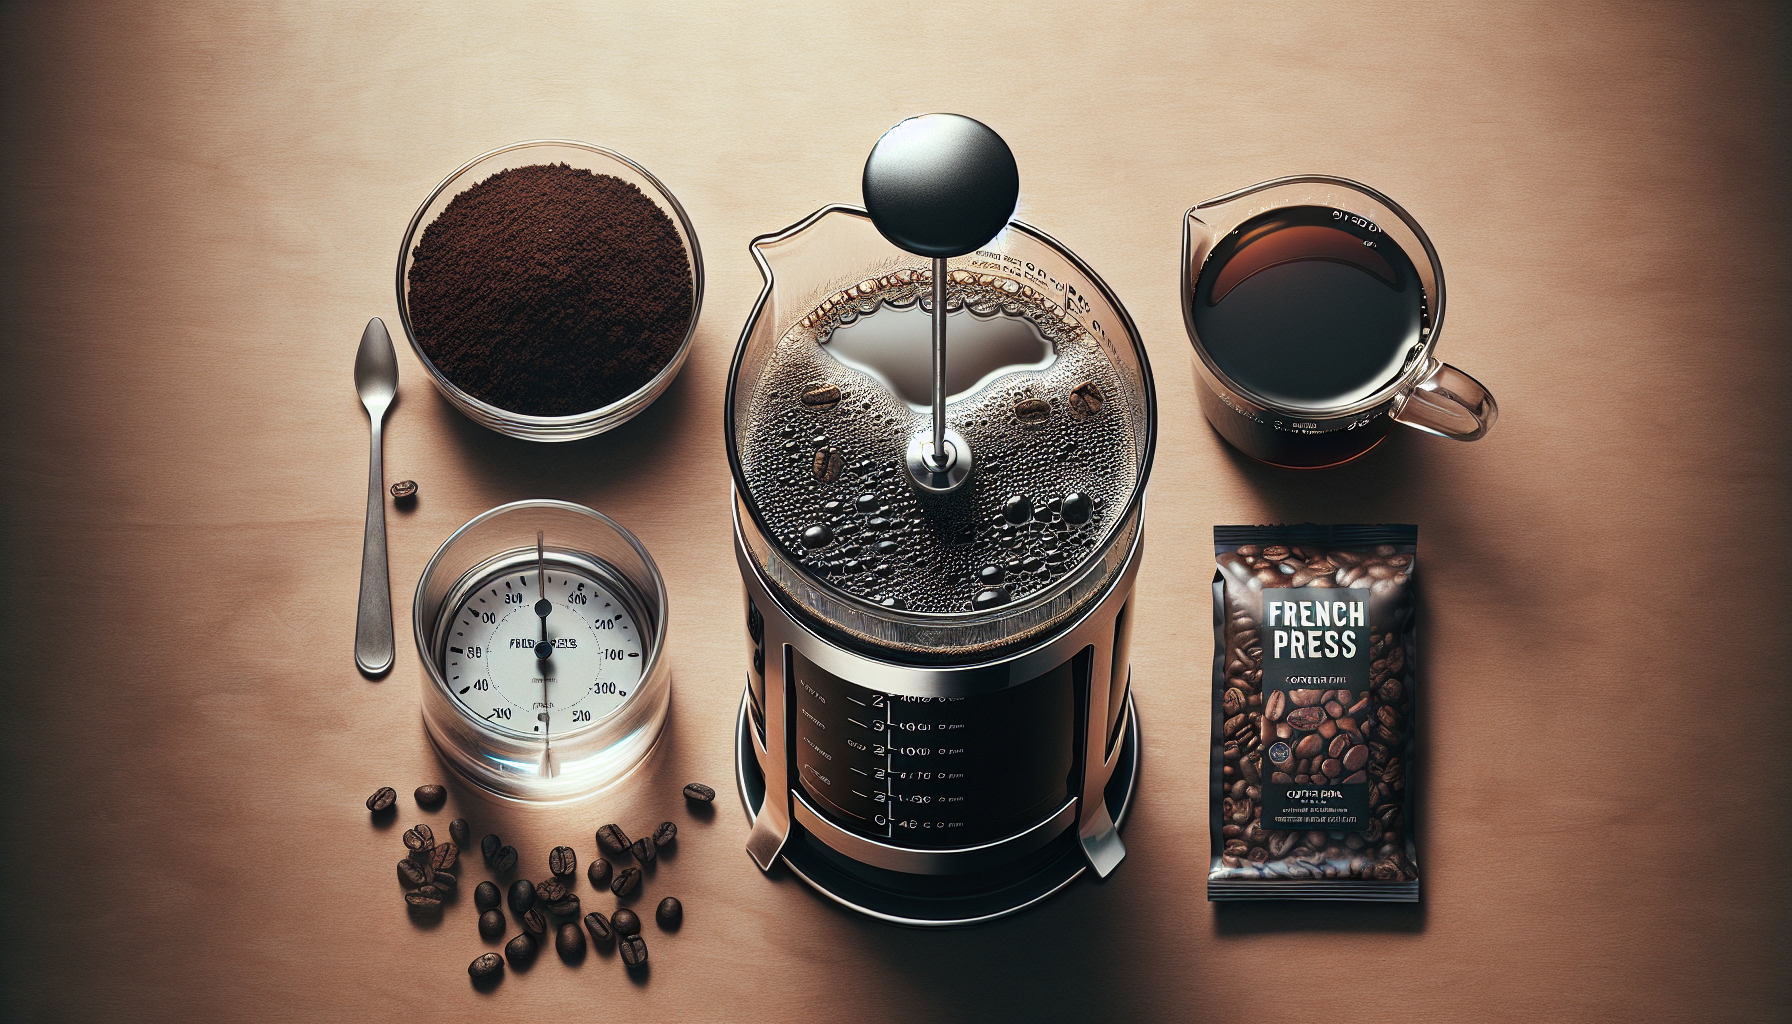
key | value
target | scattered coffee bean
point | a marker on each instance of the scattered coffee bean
(626, 880)
(563, 861)
(626, 922)
(411, 874)
(522, 896)
(599, 927)
(485, 965)
(665, 834)
(569, 942)
(489, 846)
(504, 860)
(382, 799)
(431, 797)
(612, 839)
(1032, 412)
(535, 922)
(444, 856)
(599, 873)
(644, 850)
(487, 897)
(821, 396)
(520, 950)
(457, 831)
(550, 890)
(426, 898)
(491, 925)
(568, 907)
(670, 913)
(404, 489)
(419, 837)
(444, 881)
(699, 792)
(1085, 400)
(828, 464)
(634, 950)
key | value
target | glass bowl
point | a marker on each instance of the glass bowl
(578, 155)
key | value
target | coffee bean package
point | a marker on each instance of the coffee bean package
(1313, 729)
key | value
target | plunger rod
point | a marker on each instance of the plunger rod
(939, 361)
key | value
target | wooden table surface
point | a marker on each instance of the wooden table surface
(202, 204)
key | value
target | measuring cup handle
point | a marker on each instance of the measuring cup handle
(1449, 403)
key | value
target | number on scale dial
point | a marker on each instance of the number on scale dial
(492, 665)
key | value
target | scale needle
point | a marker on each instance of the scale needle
(543, 651)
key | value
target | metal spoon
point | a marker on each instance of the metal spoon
(376, 381)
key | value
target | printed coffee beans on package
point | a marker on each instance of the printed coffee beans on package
(1313, 732)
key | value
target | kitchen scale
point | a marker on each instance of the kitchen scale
(540, 625)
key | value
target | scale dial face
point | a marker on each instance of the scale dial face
(490, 653)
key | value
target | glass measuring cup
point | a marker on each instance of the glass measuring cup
(1357, 226)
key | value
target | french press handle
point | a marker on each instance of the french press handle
(1449, 403)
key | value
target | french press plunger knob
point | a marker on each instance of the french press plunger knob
(940, 185)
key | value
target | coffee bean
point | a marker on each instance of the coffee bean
(612, 839)
(1332, 767)
(520, 951)
(821, 396)
(427, 897)
(404, 490)
(382, 799)
(444, 857)
(644, 850)
(634, 951)
(444, 881)
(504, 860)
(1309, 745)
(563, 861)
(535, 922)
(1306, 718)
(486, 896)
(1276, 706)
(550, 890)
(699, 792)
(1356, 757)
(1338, 746)
(491, 925)
(485, 965)
(419, 837)
(598, 873)
(430, 797)
(625, 921)
(569, 942)
(522, 896)
(599, 927)
(1085, 400)
(626, 880)
(411, 874)
(1032, 412)
(457, 831)
(489, 846)
(670, 913)
(666, 834)
(568, 907)
(1305, 698)
(827, 466)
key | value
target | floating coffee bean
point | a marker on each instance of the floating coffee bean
(625, 921)
(491, 925)
(612, 839)
(670, 913)
(504, 860)
(1032, 412)
(644, 850)
(698, 792)
(666, 834)
(520, 950)
(522, 896)
(569, 942)
(430, 797)
(599, 927)
(1085, 400)
(821, 396)
(634, 950)
(444, 857)
(486, 896)
(535, 922)
(486, 965)
(550, 890)
(489, 846)
(404, 490)
(598, 873)
(563, 861)
(458, 831)
(411, 874)
(427, 897)
(827, 466)
(625, 881)
(419, 837)
(383, 798)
